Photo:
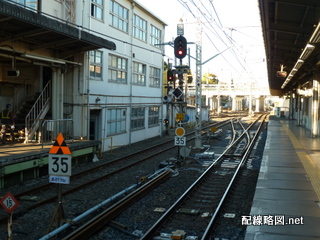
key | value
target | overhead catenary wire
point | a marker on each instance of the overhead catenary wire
(218, 31)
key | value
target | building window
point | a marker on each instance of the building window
(116, 121)
(155, 36)
(137, 118)
(140, 28)
(155, 77)
(118, 16)
(29, 4)
(117, 69)
(139, 74)
(97, 9)
(153, 118)
(96, 64)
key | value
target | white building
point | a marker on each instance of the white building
(101, 59)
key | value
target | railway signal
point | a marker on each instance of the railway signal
(180, 47)
(170, 75)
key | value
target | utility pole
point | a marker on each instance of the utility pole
(198, 142)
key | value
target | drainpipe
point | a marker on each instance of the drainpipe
(130, 72)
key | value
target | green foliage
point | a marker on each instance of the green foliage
(190, 78)
(210, 78)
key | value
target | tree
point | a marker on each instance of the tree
(190, 78)
(210, 78)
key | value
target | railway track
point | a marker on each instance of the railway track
(223, 174)
(96, 174)
(196, 211)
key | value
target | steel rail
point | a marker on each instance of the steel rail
(3, 220)
(105, 217)
(105, 165)
(174, 207)
(220, 124)
(208, 231)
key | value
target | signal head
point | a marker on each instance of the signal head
(180, 47)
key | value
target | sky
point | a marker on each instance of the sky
(231, 31)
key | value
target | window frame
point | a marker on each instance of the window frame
(116, 120)
(95, 64)
(154, 39)
(117, 74)
(154, 78)
(28, 4)
(139, 73)
(121, 19)
(153, 116)
(94, 7)
(138, 118)
(140, 28)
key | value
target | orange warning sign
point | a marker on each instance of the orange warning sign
(60, 146)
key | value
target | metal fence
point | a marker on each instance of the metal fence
(50, 129)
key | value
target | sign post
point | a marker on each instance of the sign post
(179, 139)
(60, 161)
(9, 203)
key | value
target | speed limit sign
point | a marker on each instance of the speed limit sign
(60, 164)
(9, 202)
(179, 141)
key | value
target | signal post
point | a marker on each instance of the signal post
(60, 164)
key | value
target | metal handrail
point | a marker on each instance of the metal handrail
(40, 106)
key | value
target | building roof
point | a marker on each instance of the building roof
(287, 29)
(39, 31)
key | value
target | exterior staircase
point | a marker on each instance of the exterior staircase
(30, 111)
(37, 113)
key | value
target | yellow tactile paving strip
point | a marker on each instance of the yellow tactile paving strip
(309, 166)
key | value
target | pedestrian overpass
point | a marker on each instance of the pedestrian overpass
(242, 95)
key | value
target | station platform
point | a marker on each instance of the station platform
(286, 201)
(20, 162)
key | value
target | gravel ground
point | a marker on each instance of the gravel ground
(34, 224)
(141, 215)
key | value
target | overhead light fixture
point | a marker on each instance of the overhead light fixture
(36, 57)
(299, 64)
(315, 38)
(307, 51)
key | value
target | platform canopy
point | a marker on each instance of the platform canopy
(288, 26)
(39, 31)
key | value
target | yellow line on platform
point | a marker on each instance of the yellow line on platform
(309, 166)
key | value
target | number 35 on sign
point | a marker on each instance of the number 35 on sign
(180, 141)
(60, 164)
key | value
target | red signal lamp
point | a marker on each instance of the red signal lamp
(180, 47)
